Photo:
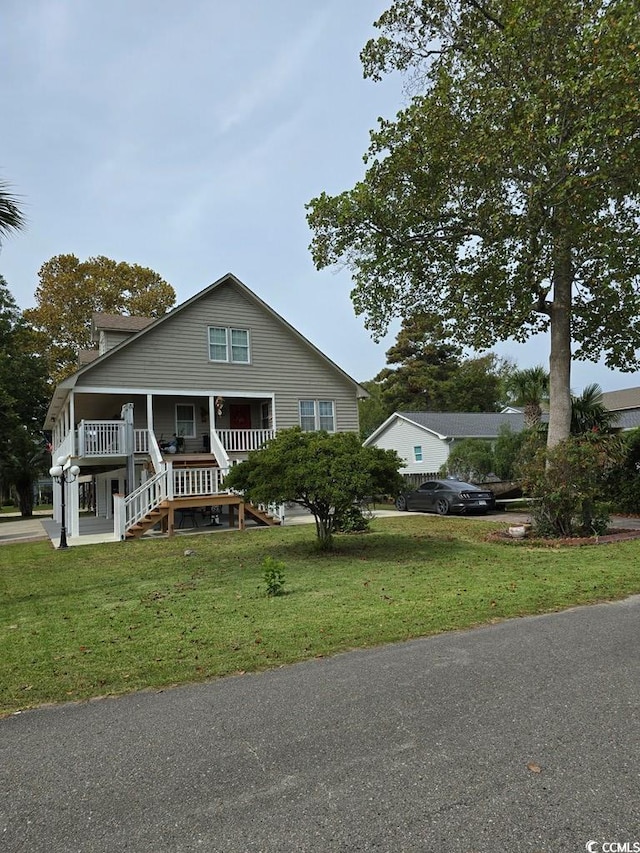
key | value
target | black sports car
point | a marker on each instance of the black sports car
(445, 496)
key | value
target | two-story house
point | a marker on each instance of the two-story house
(217, 376)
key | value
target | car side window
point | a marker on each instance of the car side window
(427, 487)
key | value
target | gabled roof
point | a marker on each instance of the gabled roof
(449, 425)
(117, 323)
(86, 356)
(627, 419)
(625, 398)
(66, 385)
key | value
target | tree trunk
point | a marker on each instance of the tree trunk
(532, 415)
(324, 531)
(560, 354)
(25, 498)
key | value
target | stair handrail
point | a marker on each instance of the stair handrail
(155, 453)
(273, 509)
(140, 502)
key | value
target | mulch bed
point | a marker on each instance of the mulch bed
(612, 535)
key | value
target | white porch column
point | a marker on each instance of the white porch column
(212, 417)
(72, 424)
(57, 500)
(215, 445)
(170, 481)
(150, 412)
(73, 508)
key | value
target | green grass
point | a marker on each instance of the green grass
(9, 512)
(108, 619)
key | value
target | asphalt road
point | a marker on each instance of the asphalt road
(522, 736)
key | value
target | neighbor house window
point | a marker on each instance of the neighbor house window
(417, 453)
(229, 344)
(185, 421)
(317, 414)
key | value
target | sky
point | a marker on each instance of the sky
(188, 137)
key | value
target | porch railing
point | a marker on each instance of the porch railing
(101, 438)
(244, 439)
(141, 441)
(191, 482)
(108, 438)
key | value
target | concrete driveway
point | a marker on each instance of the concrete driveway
(521, 736)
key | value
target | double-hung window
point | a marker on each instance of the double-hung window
(317, 414)
(230, 345)
(239, 345)
(417, 453)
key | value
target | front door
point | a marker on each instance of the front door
(240, 416)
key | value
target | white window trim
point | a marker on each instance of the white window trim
(228, 345)
(316, 412)
(417, 453)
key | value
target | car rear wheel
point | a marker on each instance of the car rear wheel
(442, 506)
(401, 503)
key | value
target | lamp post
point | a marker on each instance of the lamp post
(64, 473)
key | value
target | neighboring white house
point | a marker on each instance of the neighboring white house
(424, 439)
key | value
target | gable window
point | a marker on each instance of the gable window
(230, 345)
(239, 345)
(185, 421)
(317, 414)
(417, 453)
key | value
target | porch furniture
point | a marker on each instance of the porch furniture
(188, 514)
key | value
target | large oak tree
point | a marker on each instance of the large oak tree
(70, 291)
(505, 196)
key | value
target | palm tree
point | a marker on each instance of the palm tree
(11, 218)
(588, 412)
(529, 388)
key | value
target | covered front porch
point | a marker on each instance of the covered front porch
(102, 425)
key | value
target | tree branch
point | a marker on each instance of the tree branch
(480, 8)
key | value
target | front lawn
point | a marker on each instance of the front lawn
(108, 619)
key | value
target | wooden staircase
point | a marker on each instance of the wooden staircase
(163, 511)
(148, 521)
(261, 515)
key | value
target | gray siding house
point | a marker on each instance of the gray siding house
(222, 372)
(626, 404)
(423, 440)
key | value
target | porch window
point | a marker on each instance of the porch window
(266, 421)
(317, 414)
(185, 421)
(231, 345)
